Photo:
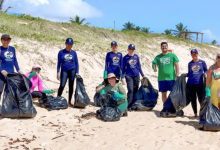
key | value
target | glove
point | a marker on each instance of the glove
(4, 73)
(32, 74)
(48, 91)
(207, 92)
(117, 96)
(105, 75)
(58, 76)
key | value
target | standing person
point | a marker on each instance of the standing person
(213, 82)
(113, 61)
(67, 67)
(131, 70)
(168, 67)
(37, 82)
(8, 60)
(195, 85)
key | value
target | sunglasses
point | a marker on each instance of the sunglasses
(6, 39)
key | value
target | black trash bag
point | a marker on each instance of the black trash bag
(146, 97)
(53, 103)
(99, 100)
(17, 100)
(108, 114)
(209, 116)
(169, 110)
(178, 93)
(81, 97)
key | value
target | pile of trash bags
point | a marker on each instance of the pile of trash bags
(209, 116)
(176, 100)
(109, 111)
(146, 97)
(17, 100)
(81, 96)
(53, 103)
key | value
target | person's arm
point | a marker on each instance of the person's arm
(176, 64)
(140, 68)
(208, 83)
(16, 62)
(58, 62)
(77, 64)
(123, 67)
(99, 88)
(154, 64)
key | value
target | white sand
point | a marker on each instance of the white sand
(66, 129)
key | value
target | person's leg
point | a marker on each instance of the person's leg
(130, 87)
(164, 96)
(136, 86)
(191, 95)
(63, 81)
(200, 90)
(2, 83)
(71, 77)
(162, 88)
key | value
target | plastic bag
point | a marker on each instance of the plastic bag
(178, 93)
(81, 97)
(146, 97)
(108, 114)
(209, 116)
(53, 103)
(17, 100)
(100, 100)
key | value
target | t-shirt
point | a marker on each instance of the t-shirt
(132, 66)
(67, 60)
(113, 63)
(8, 59)
(196, 71)
(166, 66)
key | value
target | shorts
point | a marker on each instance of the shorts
(166, 85)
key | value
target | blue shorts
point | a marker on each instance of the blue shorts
(165, 86)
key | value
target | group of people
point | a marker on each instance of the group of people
(202, 82)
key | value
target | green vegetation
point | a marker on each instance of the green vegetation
(78, 20)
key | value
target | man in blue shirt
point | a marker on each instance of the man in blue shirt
(67, 67)
(113, 62)
(196, 83)
(131, 70)
(8, 60)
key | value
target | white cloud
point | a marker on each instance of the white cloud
(56, 10)
(210, 35)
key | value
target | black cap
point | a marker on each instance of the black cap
(114, 43)
(69, 41)
(5, 36)
(131, 46)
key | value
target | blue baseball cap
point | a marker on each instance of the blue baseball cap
(114, 43)
(194, 51)
(69, 41)
(131, 46)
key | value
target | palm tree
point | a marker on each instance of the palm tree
(129, 26)
(168, 32)
(145, 30)
(78, 20)
(180, 28)
(214, 42)
(138, 28)
(1, 4)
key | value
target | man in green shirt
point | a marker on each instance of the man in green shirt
(168, 69)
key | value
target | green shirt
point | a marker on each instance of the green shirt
(166, 66)
(117, 88)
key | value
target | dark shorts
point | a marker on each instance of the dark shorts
(165, 86)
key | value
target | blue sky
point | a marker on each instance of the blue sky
(198, 15)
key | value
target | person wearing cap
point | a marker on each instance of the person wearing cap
(8, 60)
(67, 68)
(131, 71)
(117, 92)
(213, 83)
(113, 61)
(195, 86)
(36, 82)
(168, 66)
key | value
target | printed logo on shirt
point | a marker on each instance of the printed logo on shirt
(132, 63)
(165, 61)
(115, 60)
(8, 55)
(68, 57)
(196, 68)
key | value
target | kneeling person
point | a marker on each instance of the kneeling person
(117, 92)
